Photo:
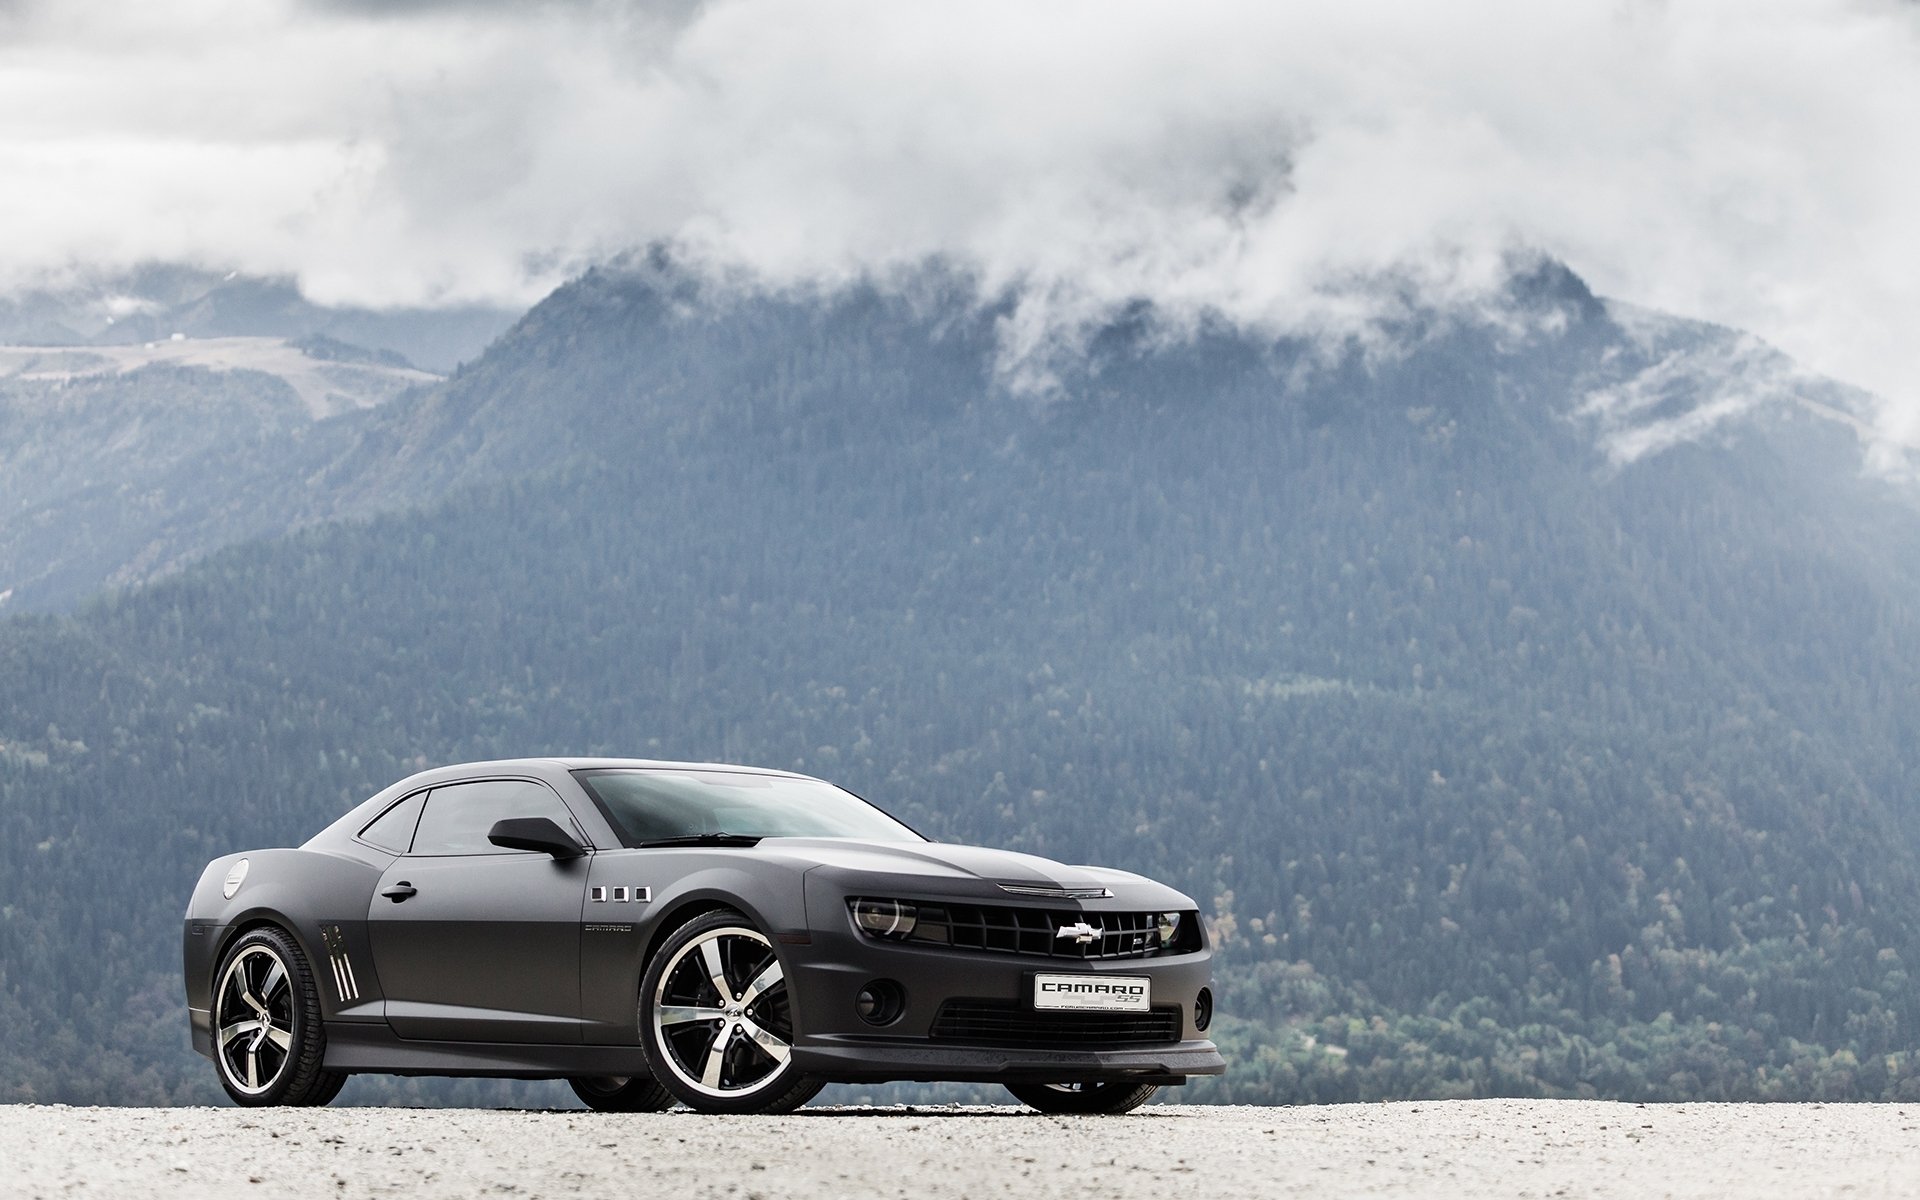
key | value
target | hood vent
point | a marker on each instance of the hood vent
(1057, 893)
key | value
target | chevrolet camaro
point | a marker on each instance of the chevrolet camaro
(730, 938)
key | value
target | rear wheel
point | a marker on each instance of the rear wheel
(716, 1022)
(325, 1095)
(621, 1093)
(268, 1042)
(1083, 1097)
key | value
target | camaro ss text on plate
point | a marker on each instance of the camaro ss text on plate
(726, 937)
(1112, 994)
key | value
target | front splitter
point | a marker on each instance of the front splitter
(877, 1060)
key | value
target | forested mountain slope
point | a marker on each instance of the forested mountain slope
(117, 467)
(1500, 764)
(150, 417)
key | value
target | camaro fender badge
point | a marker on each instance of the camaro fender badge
(1081, 932)
(597, 928)
(620, 895)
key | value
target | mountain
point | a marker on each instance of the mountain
(120, 463)
(147, 419)
(154, 302)
(1527, 715)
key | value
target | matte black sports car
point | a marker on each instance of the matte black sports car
(727, 937)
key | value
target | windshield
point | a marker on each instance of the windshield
(654, 805)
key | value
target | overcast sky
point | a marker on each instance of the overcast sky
(1755, 162)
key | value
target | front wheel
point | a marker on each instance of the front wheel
(716, 1021)
(621, 1093)
(268, 1042)
(1083, 1097)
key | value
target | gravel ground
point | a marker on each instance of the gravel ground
(1480, 1148)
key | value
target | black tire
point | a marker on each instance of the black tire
(324, 1096)
(268, 1039)
(621, 1093)
(721, 1052)
(1111, 1098)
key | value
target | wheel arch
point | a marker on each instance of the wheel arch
(260, 918)
(686, 909)
(773, 900)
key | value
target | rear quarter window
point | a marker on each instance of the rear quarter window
(392, 830)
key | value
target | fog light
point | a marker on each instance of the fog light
(880, 1002)
(1203, 1009)
(884, 918)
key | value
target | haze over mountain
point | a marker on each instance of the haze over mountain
(1526, 700)
(152, 303)
(147, 418)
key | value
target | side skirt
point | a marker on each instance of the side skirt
(375, 1050)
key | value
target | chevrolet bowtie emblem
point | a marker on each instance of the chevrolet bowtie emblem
(1080, 932)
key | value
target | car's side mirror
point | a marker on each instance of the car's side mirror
(534, 833)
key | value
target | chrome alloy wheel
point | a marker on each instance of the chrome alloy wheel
(253, 1020)
(721, 1015)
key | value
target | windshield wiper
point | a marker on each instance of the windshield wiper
(706, 839)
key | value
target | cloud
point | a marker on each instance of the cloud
(1748, 163)
(1697, 379)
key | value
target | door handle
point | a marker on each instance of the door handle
(399, 891)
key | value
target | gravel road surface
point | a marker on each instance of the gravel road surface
(1485, 1148)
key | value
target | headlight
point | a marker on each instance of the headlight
(1169, 925)
(884, 918)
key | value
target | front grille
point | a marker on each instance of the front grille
(1036, 931)
(1007, 1023)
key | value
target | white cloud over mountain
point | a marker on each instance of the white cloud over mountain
(1749, 163)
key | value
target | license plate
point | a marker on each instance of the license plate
(1097, 993)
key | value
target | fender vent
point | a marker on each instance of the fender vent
(343, 980)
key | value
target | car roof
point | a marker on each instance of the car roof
(545, 767)
(577, 763)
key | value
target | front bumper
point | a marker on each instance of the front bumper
(833, 1042)
(199, 943)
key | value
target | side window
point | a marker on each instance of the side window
(393, 829)
(458, 817)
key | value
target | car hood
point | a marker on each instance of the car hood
(933, 863)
